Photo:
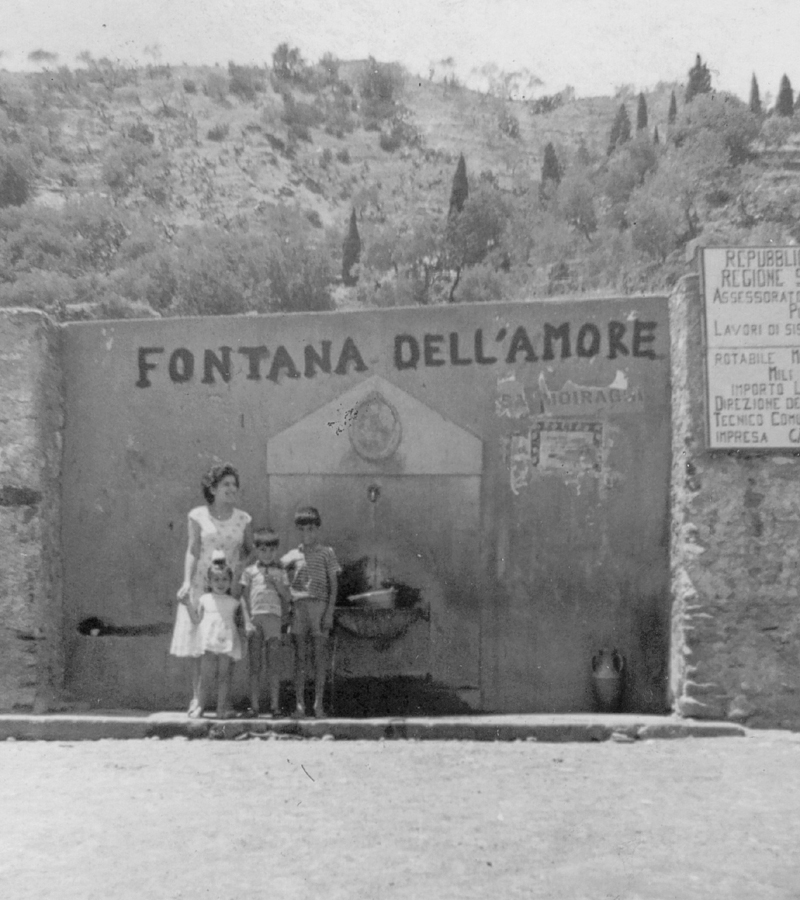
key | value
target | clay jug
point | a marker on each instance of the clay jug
(608, 669)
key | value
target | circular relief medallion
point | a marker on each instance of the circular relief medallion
(374, 428)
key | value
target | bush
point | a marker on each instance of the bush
(159, 72)
(299, 115)
(380, 86)
(288, 63)
(218, 132)
(39, 290)
(546, 104)
(508, 124)
(216, 87)
(400, 132)
(329, 66)
(189, 86)
(655, 225)
(245, 81)
(327, 158)
(343, 155)
(478, 228)
(776, 130)
(125, 162)
(140, 132)
(480, 283)
(16, 170)
(390, 142)
(720, 113)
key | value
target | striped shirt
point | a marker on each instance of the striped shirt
(314, 577)
(264, 586)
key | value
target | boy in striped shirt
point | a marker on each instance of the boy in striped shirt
(313, 579)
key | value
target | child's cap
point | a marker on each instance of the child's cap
(307, 515)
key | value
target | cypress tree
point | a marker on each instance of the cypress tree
(460, 191)
(656, 138)
(755, 97)
(620, 130)
(699, 80)
(673, 110)
(641, 114)
(784, 105)
(351, 252)
(551, 169)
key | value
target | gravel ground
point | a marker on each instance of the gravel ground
(693, 818)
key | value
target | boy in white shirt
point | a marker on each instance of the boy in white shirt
(266, 593)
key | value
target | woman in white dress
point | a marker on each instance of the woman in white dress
(216, 526)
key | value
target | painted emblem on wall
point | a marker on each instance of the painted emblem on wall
(374, 427)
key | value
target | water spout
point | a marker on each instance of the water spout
(375, 575)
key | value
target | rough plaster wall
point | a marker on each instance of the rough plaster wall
(735, 553)
(31, 414)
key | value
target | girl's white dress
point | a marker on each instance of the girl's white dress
(215, 534)
(217, 628)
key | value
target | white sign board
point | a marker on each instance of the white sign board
(752, 329)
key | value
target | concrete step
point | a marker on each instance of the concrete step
(122, 725)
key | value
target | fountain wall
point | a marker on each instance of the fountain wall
(504, 467)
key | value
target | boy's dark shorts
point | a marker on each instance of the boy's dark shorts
(307, 615)
(268, 627)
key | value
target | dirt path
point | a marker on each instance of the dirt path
(715, 818)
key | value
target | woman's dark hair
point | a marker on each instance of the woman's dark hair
(213, 477)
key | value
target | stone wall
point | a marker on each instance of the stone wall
(735, 554)
(31, 419)
(735, 649)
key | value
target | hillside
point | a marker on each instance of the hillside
(167, 191)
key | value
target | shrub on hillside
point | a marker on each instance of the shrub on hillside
(656, 224)
(508, 124)
(38, 290)
(288, 63)
(299, 115)
(16, 171)
(546, 104)
(218, 132)
(776, 130)
(338, 117)
(721, 113)
(329, 67)
(478, 228)
(480, 284)
(217, 87)
(141, 133)
(575, 203)
(128, 164)
(189, 86)
(245, 81)
(107, 72)
(158, 72)
(380, 86)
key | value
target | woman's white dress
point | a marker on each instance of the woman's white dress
(226, 535)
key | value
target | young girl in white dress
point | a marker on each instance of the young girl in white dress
(216, 526)
(218, 635)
